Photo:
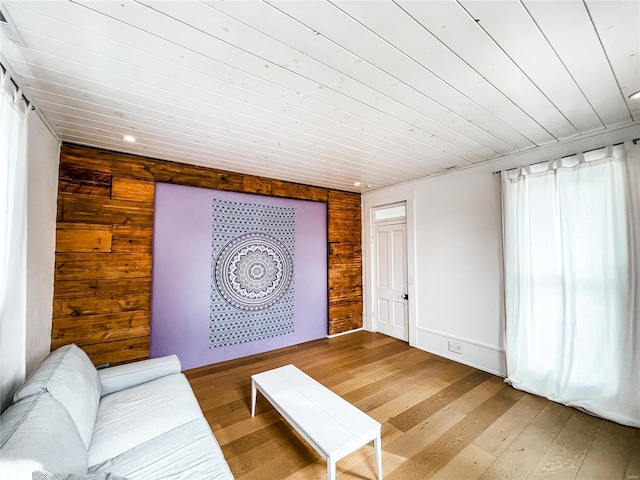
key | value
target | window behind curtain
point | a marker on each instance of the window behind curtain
(570, 275)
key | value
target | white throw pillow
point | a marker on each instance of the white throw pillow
(70, 377)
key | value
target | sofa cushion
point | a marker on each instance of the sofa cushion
(70, 377)
(186, 452)
(136, 415)
(37, 433)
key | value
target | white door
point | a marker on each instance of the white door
(391, 314)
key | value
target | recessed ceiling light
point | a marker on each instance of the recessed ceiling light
(635, 96)
(369, 186)
(356, 184)
(129, 138)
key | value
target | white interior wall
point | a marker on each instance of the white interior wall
(43, 153)
(455, 225)
(29, 338)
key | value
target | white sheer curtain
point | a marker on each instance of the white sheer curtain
(13, 183)
(571, 232)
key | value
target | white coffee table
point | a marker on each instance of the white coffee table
(331, 425)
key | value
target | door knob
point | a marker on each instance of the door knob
(405, 296)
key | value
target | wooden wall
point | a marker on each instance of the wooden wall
(102, 290)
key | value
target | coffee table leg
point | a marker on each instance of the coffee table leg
(253, 398)
(331, 469)
(377, 443)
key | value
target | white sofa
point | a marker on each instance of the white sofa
(140, 421)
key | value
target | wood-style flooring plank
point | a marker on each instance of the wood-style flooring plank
(440, 419)
(387, 377)
(522, 455)
(366, 467)
(246, 427)
(569, 449)
(469, 464)
(426, 463)
(416, 439)
(632, 470)
(608, 454)
(405, 401)
(497, 438)
(410, 418)
(553, 417)
(478, 395)
(268, 453)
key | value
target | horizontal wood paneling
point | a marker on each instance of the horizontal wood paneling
(131, 239)
(133, 190)
(81, 306)
(101, 287)
(345, 262)
(86, 209)
(118, 351)
(79, 237)
(80, 266)
(84, 181)
(101, 328)
(104, 246)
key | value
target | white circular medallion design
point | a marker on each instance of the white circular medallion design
(253, 271)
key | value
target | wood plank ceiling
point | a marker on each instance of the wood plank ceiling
(327, 93)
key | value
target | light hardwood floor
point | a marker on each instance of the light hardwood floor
(440, 419)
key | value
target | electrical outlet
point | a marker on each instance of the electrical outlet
(455, 347)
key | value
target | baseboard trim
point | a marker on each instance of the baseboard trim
(475, 354)
(345, 333)
(461, 339)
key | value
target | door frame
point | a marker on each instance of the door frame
(369, 203)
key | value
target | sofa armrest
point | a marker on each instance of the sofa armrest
(121, 377)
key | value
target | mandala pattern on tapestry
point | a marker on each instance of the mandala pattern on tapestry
(252, 272)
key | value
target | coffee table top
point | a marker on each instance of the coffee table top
(321, 416)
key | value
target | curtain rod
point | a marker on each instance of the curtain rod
(6, 72)
(635, 141)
